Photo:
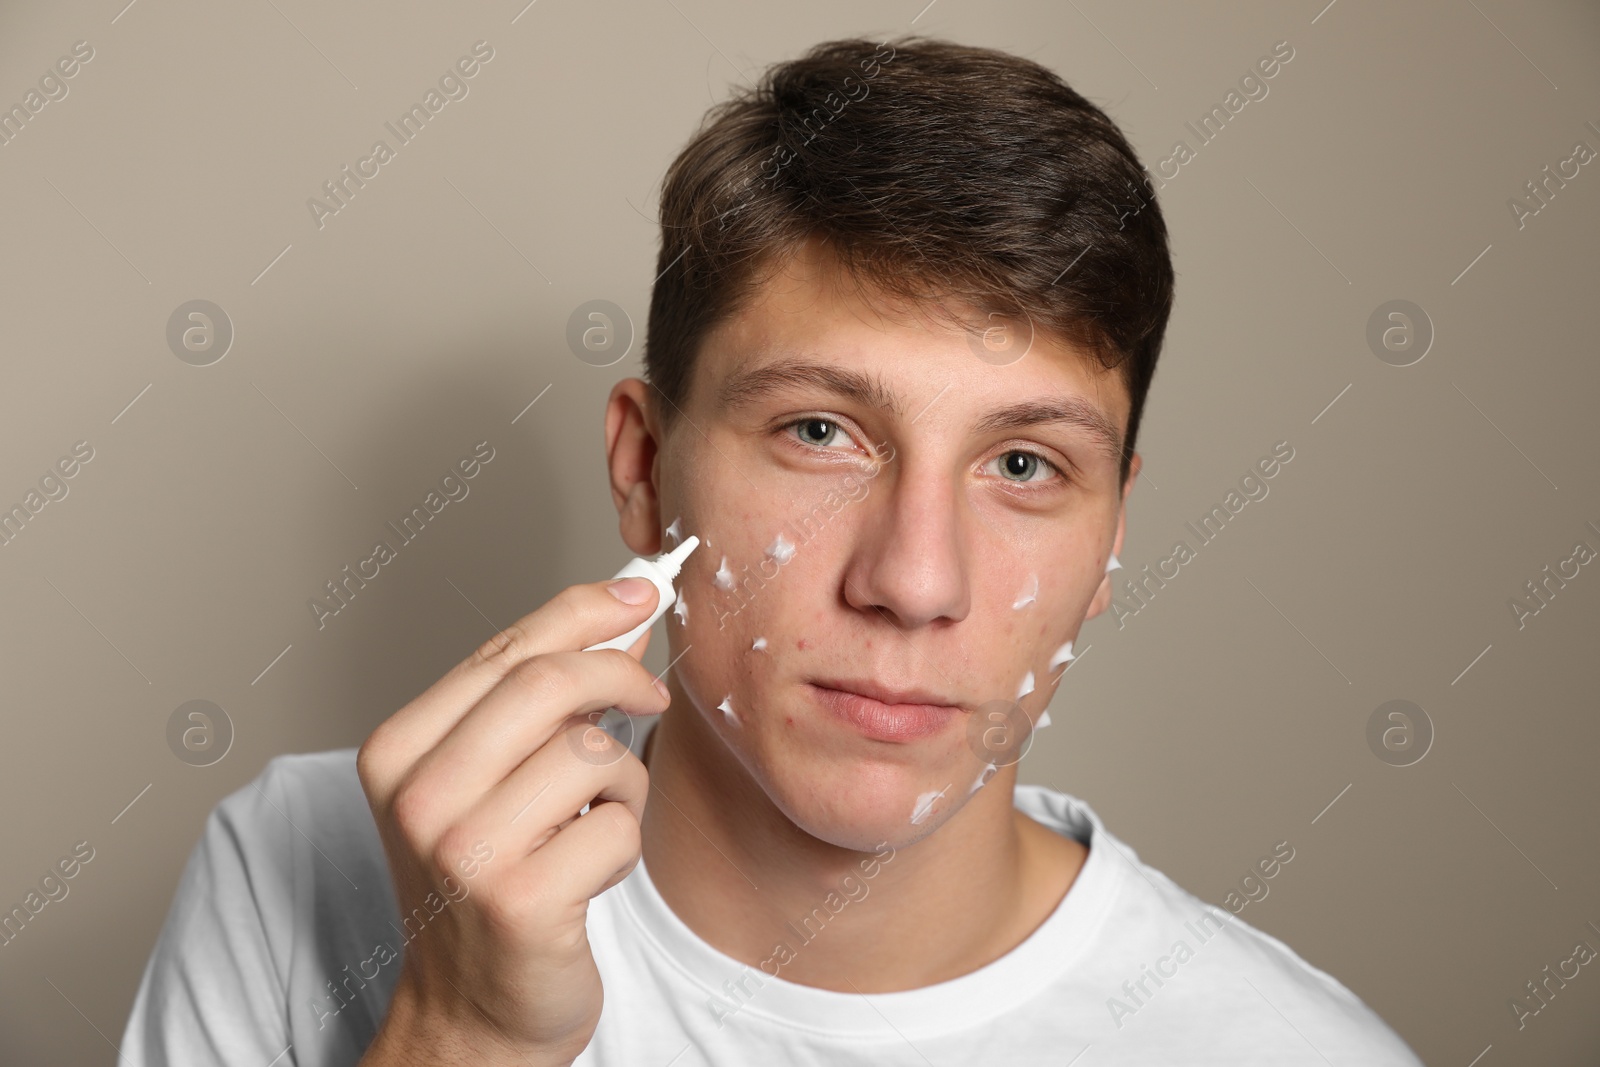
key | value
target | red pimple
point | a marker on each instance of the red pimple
(800, 644)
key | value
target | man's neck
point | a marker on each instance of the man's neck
(744, 877)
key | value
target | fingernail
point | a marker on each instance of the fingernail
(661, 687)
(630, 590)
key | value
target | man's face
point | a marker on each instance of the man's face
(893, 539)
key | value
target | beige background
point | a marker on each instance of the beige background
(425, 317)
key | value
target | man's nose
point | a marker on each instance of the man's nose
(911, 555)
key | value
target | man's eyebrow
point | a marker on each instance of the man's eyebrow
(754, 383)
(1071, 410)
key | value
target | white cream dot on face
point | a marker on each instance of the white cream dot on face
(726, 707)
(1030, 593)
(1026, 687)
(680, 608)
(781, 549)
(1062, 655)
(675, 531)
(724, 578)
(924, 805)
(983, 778)
(1044, 720)
(760, 645)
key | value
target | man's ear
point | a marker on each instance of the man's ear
(1102, 595)
(632, 444)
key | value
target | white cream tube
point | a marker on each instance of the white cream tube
(660, 570)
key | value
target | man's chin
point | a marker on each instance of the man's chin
(834, 783)
(860, 803)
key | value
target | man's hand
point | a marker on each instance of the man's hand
(485, 773)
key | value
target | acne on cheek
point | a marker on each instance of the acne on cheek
(1033, 619)
(732, 599)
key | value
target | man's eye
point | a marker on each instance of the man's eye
(1021, 467)
(817, 432)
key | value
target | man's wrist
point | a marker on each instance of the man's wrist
(411, 1036)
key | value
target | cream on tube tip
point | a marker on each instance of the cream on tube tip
(660, 571)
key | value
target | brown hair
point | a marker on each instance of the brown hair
(931, 170)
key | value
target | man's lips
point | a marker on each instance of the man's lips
(899, 720)
(884, 694)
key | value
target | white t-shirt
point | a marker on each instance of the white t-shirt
(284, 942)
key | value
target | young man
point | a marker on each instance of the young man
(910, 302)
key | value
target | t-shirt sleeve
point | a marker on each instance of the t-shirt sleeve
(213, 989)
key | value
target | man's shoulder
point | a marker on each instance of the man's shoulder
(303, 811)
(331, 769)
(327, 778)
(295, 784)
(1168, 958)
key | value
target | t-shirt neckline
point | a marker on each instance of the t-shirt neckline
(1055, 947)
